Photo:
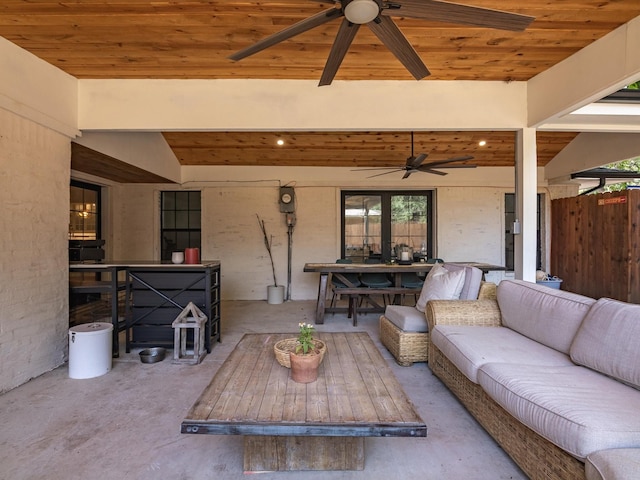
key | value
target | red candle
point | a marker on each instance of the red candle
(192, 255)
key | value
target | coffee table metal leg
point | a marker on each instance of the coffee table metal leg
(275, 453)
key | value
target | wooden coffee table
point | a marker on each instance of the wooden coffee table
(315, 426)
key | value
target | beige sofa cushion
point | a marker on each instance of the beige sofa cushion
(470, 347)
(472, 280)
(578, 409)
(609, 341)
(613, 464)
(543, 314)
(406, 318)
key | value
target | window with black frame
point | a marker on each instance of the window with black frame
(180, 221)
(376, 224)
(509, 241)
(84, 211)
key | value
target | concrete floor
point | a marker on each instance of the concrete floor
(125, 425)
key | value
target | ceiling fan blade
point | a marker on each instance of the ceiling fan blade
(407, 173)
(386, 173)
(448, 12)
(438, 163)
(375, 168)
(341, 44)
(289, 32)
(457, 166)
(435, 172)
(415, 162)
(389, 34)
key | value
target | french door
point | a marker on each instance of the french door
(374, 223)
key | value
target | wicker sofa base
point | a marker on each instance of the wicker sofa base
(536, 456)
(406, 347)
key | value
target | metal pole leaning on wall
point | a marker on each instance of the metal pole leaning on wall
(291, 221)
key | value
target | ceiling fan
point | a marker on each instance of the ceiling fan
(415, 164)
(376, 14)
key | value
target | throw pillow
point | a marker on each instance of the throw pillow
(441, 284)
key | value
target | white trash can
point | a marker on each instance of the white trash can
(90, 350)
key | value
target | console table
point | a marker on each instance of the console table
(159, 293)
(156, 293)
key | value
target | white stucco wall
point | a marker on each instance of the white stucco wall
(469, 226)
(34, 194)
(135, 222)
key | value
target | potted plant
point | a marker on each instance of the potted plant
(275, 292)
(307, 355)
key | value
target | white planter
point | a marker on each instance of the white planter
(275, 294)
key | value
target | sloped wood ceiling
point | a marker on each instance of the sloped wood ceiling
(354, 149)
(193, 39)
(87, 160)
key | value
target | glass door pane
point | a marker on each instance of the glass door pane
(362, 227)
(409, 224)
(84, 212)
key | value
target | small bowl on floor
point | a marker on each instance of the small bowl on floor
(153, 355)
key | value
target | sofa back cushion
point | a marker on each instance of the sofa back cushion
(472, 280)
(608, 341)
(551, 317)
(441, 284)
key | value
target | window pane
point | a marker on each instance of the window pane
(409, 222)
(194, 200)
(168, 201)
(194, 239)
(182, 219)
(169, 219)
(76, 196)
(182, 200)
(194, 219)
(168, 244)
(182, 240)
(362, 226)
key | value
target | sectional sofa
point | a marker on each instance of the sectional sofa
(553, 376)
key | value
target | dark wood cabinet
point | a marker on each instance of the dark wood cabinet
(160, 292)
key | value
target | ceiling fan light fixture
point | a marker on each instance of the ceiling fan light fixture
(361, 11)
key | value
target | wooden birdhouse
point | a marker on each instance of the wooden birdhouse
(190, 319)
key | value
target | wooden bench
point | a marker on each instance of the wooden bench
(356, 294)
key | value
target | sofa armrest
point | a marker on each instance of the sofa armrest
(481, 313)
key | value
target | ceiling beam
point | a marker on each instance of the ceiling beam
(290, 105)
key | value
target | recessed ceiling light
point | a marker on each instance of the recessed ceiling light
(280, 142)
(482, 143)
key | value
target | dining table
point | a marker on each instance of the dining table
(394, 270)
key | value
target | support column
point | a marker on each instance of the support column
(526, 204)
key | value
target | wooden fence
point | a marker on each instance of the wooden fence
(595, 244)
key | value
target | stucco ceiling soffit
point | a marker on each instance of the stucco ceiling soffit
(597, 70)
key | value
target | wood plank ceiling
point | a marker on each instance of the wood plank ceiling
(192, 39)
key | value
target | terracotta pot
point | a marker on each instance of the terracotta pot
(304, 368)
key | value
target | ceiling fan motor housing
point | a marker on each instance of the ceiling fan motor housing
(361, 11)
